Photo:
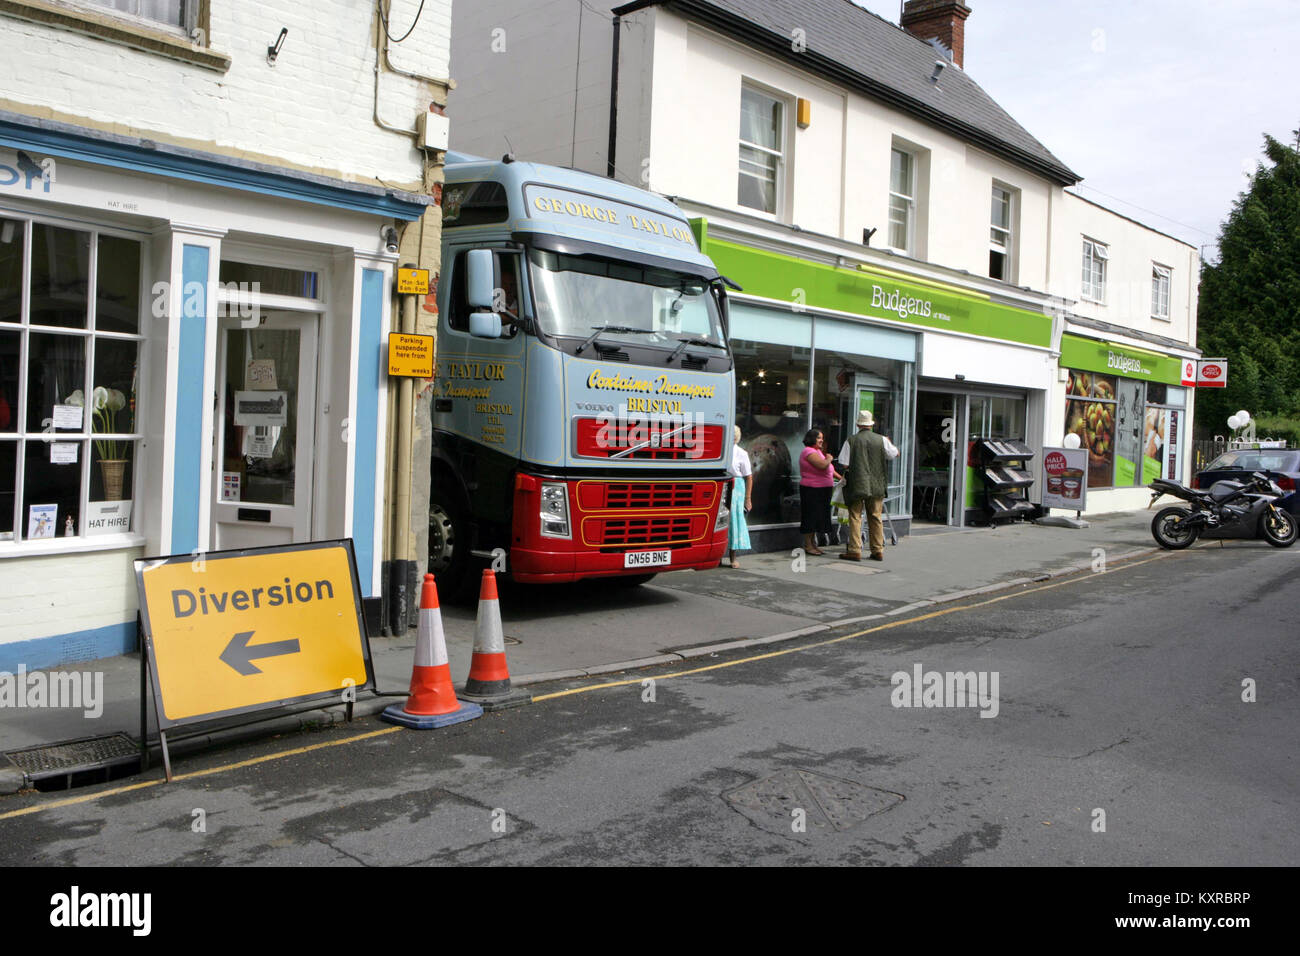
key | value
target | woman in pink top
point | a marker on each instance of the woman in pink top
(816, 481)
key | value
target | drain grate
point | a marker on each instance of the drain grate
(75, 755)
(830, 804)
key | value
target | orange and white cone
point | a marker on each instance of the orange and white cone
(489, 676)
(432, 702)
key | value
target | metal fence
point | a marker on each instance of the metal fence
(1205, 450)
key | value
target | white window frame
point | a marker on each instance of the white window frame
(1008, 244)
(1161, 285)
(18, 544)
(779, 181)
(1095, 256)
(906, 199)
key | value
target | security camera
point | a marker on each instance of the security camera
(389, 235)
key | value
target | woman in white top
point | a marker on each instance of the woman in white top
(741, 490)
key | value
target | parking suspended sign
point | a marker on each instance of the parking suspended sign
(232, 632)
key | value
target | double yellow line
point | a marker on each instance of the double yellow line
(279, 755)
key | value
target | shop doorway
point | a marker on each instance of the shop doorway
(264, 431)
(946, 487)
(940, 421)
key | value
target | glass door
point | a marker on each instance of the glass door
(264, 431)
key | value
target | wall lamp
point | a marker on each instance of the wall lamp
(273, 51)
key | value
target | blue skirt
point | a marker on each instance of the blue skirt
(738, 530)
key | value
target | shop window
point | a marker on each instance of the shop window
(1095, 257)
(69, 363)
(846, 383)
(772, 412)
(762, 151)
(1130, 428)
(1160, 279)
(1161, 432)
(1002, 235)
(1090, 413)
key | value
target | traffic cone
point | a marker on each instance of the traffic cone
(432, 702)
(488, 683)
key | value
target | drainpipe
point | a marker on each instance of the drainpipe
(613, 98)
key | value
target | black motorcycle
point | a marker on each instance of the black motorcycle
(1229, 509)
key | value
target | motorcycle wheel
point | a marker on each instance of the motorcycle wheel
(1279, 528)
(1169, 528)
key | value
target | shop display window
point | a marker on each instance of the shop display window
(1130, 427)
(69, 363)
(1090, 412)
(772, 412)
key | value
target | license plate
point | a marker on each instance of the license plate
(647, 559)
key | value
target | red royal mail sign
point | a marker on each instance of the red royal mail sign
(1189, 372)
(1212, 373)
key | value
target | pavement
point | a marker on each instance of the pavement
(572, 632)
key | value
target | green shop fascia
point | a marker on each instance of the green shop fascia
(1127, 406)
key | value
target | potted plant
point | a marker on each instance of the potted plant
(105, 404)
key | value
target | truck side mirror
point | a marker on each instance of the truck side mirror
(479, 278)
(485, 325)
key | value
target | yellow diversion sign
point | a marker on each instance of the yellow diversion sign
(230, 632)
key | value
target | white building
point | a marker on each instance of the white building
(201, 204)
(903, 243)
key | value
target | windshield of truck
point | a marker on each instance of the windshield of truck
(576, 295)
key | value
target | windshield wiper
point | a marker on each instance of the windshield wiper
(626, 330)
(685, 342)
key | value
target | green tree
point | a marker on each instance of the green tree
(1250, 299)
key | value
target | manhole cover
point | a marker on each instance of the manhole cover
(75, 755)
(829, 804)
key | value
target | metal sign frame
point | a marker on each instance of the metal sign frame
(148, 651)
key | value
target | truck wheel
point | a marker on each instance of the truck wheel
(1171, 530)
(449, 557)
(1278, 527)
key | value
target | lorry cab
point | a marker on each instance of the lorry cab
(583, 394)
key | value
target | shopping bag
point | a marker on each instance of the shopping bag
(838, 507)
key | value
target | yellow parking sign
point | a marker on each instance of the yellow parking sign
(232, 632)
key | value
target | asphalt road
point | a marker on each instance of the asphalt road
(1120, 737)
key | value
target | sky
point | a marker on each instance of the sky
(1160, 105)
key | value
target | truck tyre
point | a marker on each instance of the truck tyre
(449, 557)
(1278, 527)
(1170, 529)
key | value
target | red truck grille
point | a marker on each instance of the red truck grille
(602, 495)
(606, 532)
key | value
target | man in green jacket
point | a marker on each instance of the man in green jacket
(866, 486)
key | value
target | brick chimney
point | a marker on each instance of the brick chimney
(942, 20)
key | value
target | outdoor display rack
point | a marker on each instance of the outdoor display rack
(1004, 470)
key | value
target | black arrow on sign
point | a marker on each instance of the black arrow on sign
(240, 656)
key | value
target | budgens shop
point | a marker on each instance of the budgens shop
(1131, 410)
(824, 330)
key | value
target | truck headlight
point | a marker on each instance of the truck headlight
(724, 516)
(555, 510)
